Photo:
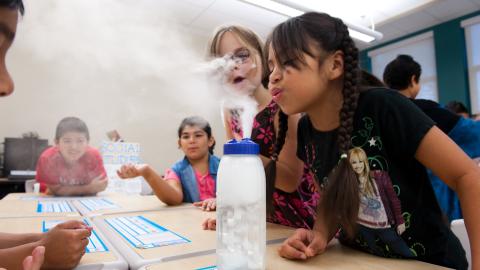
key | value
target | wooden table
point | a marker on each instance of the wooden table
(336, 257)
(28, 208)
(110, 259)
(24, 196)
(185, 222)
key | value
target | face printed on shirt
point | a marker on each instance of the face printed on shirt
(72, 146)
(358, 165)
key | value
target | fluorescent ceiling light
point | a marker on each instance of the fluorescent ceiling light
(275, 7)
(360, 33)
(360, 36)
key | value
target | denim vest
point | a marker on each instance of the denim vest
(185, 172)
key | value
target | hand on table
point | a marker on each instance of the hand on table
(65, 244)
(303, 244)
(207, 205)
(210, 224)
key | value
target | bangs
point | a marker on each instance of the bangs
(290, 41)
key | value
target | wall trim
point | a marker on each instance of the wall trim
(470, 21)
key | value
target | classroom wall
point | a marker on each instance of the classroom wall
(450, 57)
(115, 68)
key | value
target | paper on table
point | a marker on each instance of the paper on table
(143, 233)
(95, 204)
(95, 243)
(54, 207)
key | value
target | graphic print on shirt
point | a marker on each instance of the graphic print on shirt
(389, 243)
(379, 214)
(364, 138)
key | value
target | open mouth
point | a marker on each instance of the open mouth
(238, 79)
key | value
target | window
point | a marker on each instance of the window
(422, 49)
(472, 39)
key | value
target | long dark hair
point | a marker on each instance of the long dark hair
(291, 40)
(13, 4)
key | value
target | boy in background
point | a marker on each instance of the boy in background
(403, 74)
(72, 167)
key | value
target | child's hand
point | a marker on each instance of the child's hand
(401, 228)
(131, 171)
(99, 184)
(34, 261)
(65, 244)
(207, 205)
(210, 224)
(303, 244)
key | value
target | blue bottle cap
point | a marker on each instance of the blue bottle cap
(243, 147)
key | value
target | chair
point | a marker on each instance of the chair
(458, 228)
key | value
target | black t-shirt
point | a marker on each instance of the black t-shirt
(444, 119)
(388, 128)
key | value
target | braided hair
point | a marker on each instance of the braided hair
(291, 40)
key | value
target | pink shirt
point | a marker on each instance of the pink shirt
(205, 183)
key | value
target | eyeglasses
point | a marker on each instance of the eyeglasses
(241, 56)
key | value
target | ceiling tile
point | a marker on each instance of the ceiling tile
(248, 12)
(182, 11)
(414, 22)
(199, 3)
(211, 19)
(477, 2)
(450, 9)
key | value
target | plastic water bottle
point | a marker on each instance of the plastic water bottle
(241, 212)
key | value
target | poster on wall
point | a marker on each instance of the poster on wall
(116, 154)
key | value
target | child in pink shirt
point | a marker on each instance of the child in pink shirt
(192, 179)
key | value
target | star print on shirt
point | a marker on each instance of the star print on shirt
(372, 142)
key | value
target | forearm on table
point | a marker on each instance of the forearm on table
(61, 190)
(8, 240)
(12, 258)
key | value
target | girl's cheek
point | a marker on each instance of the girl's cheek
(246, 68)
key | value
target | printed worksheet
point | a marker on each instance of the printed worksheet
(95, 243)
(144, 233)
(95, 204)
(54, 207)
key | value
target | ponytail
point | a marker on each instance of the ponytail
(342, 191)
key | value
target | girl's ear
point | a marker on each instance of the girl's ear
(211, 141)
(179, 145)
(336, 65)
(56, 141)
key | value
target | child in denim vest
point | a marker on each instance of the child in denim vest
(192, 179)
